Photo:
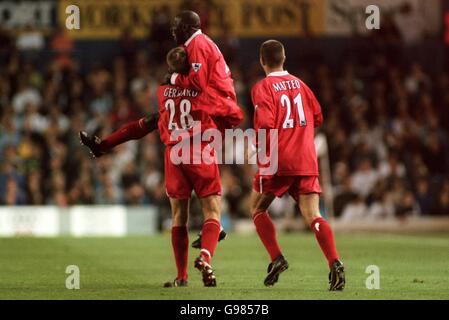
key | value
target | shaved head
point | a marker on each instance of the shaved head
(272, 53)
(189, 18)
(184, 25)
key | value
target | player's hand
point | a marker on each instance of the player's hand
(151, 121)
(167, 78)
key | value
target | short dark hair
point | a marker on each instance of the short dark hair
(189, 18)
(272, 53)
(177, 60)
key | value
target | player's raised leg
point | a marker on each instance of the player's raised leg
(180, 240)
(130, 131)
(309, 206)
(211, 207)
(267, 234)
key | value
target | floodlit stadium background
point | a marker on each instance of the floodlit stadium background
(384, 93)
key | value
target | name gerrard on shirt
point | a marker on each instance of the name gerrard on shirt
(180, 92)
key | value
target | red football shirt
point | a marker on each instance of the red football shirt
(284, 102)
(210, 74)
(181, 108)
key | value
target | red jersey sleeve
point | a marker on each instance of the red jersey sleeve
(264, 115)
(316, 107)
(198, 75)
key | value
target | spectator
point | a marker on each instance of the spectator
(364, 178)
(25, 95)
(29, 42)
(7, 45)
(441, 206)
(62, 46)
(392, 167)
(424, 197)
(228, 44)
(435, 155)
(411, 24)
(128, 46)
(354, 210)
(159, 38)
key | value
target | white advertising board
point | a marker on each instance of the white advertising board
(29, 221)
(98, 221)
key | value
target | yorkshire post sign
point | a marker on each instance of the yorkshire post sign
(245, 18)
(106, 19)
(248, 18)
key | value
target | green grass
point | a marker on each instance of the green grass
(411, 267)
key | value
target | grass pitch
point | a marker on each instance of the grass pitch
(411, 267)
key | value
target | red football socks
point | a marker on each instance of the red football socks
(267, 233)
(131, 131)
(209, 238)
(180, 243)
(325, 238)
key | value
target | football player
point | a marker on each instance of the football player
(181, 109)
(284, 103)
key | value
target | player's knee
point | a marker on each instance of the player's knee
(253, 209)
(211, 213)
(179, 219)
(256, 210)
(211, 207)
(309, 207)
(259, 203)
(310, 215)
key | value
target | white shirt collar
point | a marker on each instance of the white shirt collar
(278, 73)
(191, 37)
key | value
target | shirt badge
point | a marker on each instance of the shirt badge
(196, 66)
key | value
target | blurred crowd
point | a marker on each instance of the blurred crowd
(386, 122)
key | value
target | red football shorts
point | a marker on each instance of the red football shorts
(182, 179)
(279, 185)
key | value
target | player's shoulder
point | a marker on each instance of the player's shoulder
(290, 77)
(306, 89)
(261, 85)
(201, 41)
(302, 84)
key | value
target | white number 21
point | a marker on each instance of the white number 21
(285, 102)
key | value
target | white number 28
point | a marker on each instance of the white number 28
(185, 118)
